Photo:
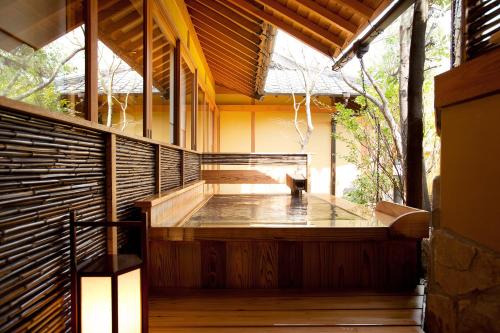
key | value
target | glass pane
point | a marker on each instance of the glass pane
(163, 80)
(96, 304)
(186, 102)
(120, 51)
(129, 302)
(200, 124)
(42, 57)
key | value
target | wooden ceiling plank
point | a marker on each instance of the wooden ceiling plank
(327, 14)
(233, 73)
(359, 7)
(307, 24)
(244, 22)
(223, 34)
(213, 16)
(235, 69)
(225, 81)
(232, 52)
(245, 5)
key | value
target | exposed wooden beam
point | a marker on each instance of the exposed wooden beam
(231, 83)
(228, 74)
(228, 48)
(309, 25)
(250, 8)
(222, 35)
(359, 7)
(327, 14)
(231, 63)
(217, 18)
(235, 17)
(270, 108)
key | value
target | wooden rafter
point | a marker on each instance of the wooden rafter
(327, 14)
(228, 13)
(221, 33)
(249, 7)
(216, 18)
(359, 7)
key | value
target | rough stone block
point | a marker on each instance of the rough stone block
(441, 314)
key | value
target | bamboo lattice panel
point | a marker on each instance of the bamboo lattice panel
(46, 170)
(191, 167)
(170, 168)
(135, 174)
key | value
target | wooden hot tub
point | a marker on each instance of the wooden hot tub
(265, 241)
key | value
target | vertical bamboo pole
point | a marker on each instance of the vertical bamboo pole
(111, 215)
(147, 73)
(91, 70)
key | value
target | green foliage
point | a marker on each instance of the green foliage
(24, 69)
(374, 153)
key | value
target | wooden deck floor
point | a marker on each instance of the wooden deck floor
(224, 311)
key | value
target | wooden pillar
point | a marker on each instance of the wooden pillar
(91, 70)
(177, 93)
(111, 214)
(147, 73)
(158, 169)
(194, 112)
(183, 161)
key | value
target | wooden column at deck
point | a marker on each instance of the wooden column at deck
(147, 73)
(177, 93)
(194, 112)
(111, 191)
(91, 88)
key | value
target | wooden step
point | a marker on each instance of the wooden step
(385, 329)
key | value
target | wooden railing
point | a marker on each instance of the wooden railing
(252, 168)
(51, 164)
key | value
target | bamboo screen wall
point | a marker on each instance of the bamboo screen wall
(135, 174)
(47, 168)
(192, 167)
(170, 168)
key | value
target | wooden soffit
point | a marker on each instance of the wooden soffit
(237, 35)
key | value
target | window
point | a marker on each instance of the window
(42, 57)
(201, 120)
(186, 104)
(163, 82)
(120, 56)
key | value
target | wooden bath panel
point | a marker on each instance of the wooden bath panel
(386, 265)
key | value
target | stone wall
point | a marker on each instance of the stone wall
(464, 282)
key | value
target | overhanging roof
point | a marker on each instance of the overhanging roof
(236, 36)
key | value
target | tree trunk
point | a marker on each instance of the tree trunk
(415, 172)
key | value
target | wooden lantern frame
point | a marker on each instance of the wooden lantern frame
(110, 266)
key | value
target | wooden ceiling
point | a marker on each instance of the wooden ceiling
(236, 35)
(236, 44)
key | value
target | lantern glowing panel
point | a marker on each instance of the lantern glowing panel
(129, 302)
(96, 304)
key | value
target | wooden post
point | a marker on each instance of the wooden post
(183, 161)
(73, 269)
(194, 112)
(158, 169)
(91, 66)
(144, 272)
(111, 214)
(177, 93)
(147, 73)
